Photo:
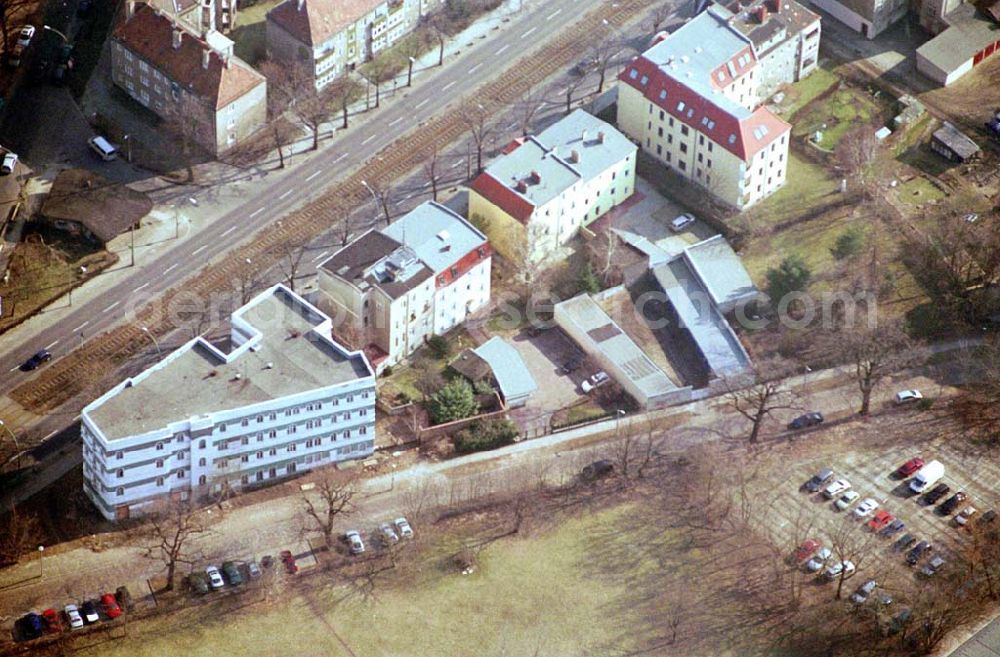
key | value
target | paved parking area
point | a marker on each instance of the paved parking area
(544, 355)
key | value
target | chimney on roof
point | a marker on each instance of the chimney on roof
(302, 5)
(574, 156)
(206, 56)
(600, 137)
(583, 136)
(536, 177)
(761, 14)
(131, 8)
(521, 186)
(177, 38)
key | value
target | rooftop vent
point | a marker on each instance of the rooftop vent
(583, 136)
(574, 156)
(237, 376)
(521, 186)
(269, 366)
(443, 236)
(600, 137)
(536, 177)
(685, 59)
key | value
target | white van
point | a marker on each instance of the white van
(104, 148)
(927, 476)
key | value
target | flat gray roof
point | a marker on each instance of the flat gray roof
(968, 33)
(720, 270)
(437, 235)
(194, 380)
(512, 375)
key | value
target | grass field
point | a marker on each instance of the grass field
(842, 110)
(249, 35)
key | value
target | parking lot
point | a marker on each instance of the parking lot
(867, 454)
(544, 355)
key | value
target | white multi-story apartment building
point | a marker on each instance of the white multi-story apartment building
(543, 189)
(285, 397)
(391, 290)
(331, 36)
(187, 77)
(692, 102)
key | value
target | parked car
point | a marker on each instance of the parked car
(818, 480)
(198, 583)
(908, 396)
(836, 488)
(42, 356)
(865, 590)
(949, 505)
(805, 421)
(387, 534)
(403, 527)
(919, 550)
(807, 549)
(89, 612)
(53, 622)
(963, 518)
(288, 559)
(124, 598)
(9, 163)
(880, 520)
(110, 605)
(814, 564)
(884, 598)
(266, 561)
(25, 35)
(598, 379)
(253, 570)
(910, 467)
(232, 573)
(681, 222)
(32, 625)
(986, 518)
(903, 542)
(214, 577)
(73, 617)
(598, 469)
(900, 621)
(846, 500)
(936, 493)
(932, 566)
(892, 528)
(867, 506)
(847, 567)
(354, 542)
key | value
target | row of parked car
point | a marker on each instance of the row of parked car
(214, 578)
(387, 534)
(75, 616)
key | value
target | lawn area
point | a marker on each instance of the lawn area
(249, 35)
(404, 377)
(808, 187)
(802, 93)
(842, 110)
(918, 191)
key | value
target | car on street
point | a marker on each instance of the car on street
(253, 570)
(936, 493)
(836, 488)
(846, 567)
(288, 559)
(816, 563)
(214, 577)
(32, 625)
(25, 36)
(812, 419)
(9, 163)
(681, 222)
(598, 379)
(387, 534)
(892, 528)
(932, 566)
(354, 542)
(880, 520)
(89, 612)
(919, 550)
(846, 500)
(867, 506)
(949, 505)
(39, 357)
(908, 396)
(910, 467)
(963, 518)
(903, 542)
(198, 583)
(110, 606)
(232, 573)
(818, 480)
(863, 591)
(597, 469)
(403, 527)
(807, 549)
(73, 617)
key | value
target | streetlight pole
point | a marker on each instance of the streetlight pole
(153, 338)
(49, 28)
(128, 148)
(409, 72)
(17, 447)
(374, 198)
(41, 555)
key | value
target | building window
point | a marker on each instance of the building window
(700, 157)
(120, 473)
(180, 474)
(709, 147)
(659, 149)
(659, 131)
(291, 448)
(201, 444)
(159, 463)
(708, 180)
(292, 429)
(245, 458)
(120, 492)
(670, 122)
(273, 452)
(701, 140)
(245, 440)
(159, 447)
(244, 479)
(670, 139)
(201, 462)
(683, 165)
(272, 434)
(222, 427)
(684, 130)
(159, 481)
(273, 416)
(120, 455)
(201, 480)
(244, 422)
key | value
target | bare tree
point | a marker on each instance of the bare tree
(20, 534)
(428, 379)
(854, 155)
(289, 261)
(875, 353)
(282, 133)
(249, 280)
(438, 23)
(172, 528)
(382, 191)
(660, 15)
(344, 228)
(379, 71)
(571, 88)
(343, 91)
(602, 250)
(431, 170)
(188, 118)
(849, 543)
(335, 493)
(603, 52)
(312, 109)
(477, 123)
(758, 400)
(977, 408)
(527, 107)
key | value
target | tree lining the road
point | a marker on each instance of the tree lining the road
(334, 497)
(171, 529)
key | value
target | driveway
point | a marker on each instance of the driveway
(544, 356)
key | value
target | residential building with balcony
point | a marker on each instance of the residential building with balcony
(544, 189)
(190, 79)
(390, 290)
(692, 101)
(281, 397)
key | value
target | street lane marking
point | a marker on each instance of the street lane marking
(500, 51)
(51, 344)
(342, 156)
(457, 163)
(140, 287)
(473, 69)
(111, 307)
(229, 230)
(528, 33)
(320, 256)
(395, 121)
(81, 326)
(170, 268)
(422, 103)
(553, 14)
(313, 175)
(448, 86)
(199, 249)
(285, 195)
(256, 212)
(367, 139)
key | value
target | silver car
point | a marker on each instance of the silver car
(865, 590)
(214, 577)
(388, 534)
(354, 542)
(403, 527)
(814, 564)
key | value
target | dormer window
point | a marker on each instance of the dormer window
(680, 106)
(633, 74)
(663, 94)
(644, 80)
